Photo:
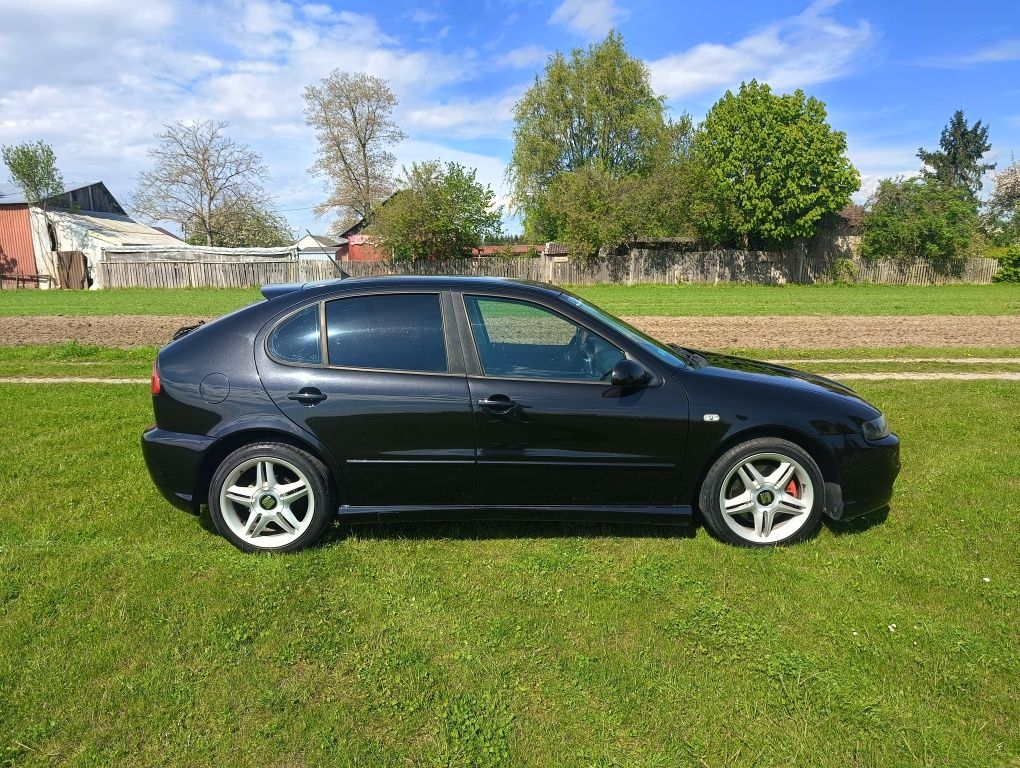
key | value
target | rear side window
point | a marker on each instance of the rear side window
(400, 332)
(296, 339)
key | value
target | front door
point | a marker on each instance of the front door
(550, 428)
(372, 378)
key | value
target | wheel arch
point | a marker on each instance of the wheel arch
(227, 444)
(815, 449)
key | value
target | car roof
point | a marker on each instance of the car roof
(452, 282)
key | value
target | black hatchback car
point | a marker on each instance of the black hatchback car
(434, 398)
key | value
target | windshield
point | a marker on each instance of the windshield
(643, 340)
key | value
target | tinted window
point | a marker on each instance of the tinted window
(515, 338)
(296, 339)
(402, 332)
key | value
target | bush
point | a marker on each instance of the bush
(844, 271)
(912, 220)
(1009, 266)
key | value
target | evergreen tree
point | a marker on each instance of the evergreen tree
(957, 163)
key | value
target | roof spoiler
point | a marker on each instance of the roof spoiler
(279, 289)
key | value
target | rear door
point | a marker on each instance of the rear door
(550, 428)
(379, 381)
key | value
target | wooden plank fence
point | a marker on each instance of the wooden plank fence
(210, 268)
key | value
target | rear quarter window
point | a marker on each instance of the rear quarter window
(296, 339)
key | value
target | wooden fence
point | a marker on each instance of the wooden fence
(128, 268)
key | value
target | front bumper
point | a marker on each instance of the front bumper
(174, 460)
(867, 471)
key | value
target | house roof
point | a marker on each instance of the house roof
(360, 224)
(114, 229)
(322, 240)
(11, 194)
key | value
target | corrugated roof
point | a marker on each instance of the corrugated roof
(11, 194)
(114, 229)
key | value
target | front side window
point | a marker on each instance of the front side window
(520, 339)
(400, 332)
(296, 339)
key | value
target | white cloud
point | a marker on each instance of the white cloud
(591, 18)
(422, 17)
(877, 162)
(523, 57)
(97, 78)
(466, 118)
(808, 48)
(1001, 51)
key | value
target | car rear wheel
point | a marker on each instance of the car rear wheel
(764, 492)
(271, 497)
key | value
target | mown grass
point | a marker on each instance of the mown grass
(132, 635)
(666, 300)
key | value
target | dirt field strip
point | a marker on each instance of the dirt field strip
(743, 332)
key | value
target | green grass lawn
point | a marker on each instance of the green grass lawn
(618, 299)
(132, 635)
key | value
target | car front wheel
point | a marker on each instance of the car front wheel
(271, 497)
(764, 492)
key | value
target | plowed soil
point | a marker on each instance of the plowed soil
(790, 332)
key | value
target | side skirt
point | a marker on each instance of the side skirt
(666, 515)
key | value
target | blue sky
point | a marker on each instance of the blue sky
(96, 78)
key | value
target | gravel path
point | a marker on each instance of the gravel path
(799, 332)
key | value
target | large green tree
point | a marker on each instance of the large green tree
(592, 109)
(775, 165)
(439, 212)
(596, 211)
(920, 220)
(958, 160)
(245, 223)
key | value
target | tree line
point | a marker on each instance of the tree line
(598, 163)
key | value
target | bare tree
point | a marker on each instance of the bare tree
(352, 118)
(198, 169)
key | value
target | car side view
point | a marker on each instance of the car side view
(439, 398)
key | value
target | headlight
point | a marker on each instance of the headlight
(875, 429)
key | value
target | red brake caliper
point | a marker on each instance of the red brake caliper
(792, 489)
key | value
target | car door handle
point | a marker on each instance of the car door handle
(498, 403)
(307, 396)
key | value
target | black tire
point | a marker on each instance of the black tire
(320, 501)
(742, 529)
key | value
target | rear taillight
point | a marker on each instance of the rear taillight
(155, 385)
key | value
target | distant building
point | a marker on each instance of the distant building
(358, 246)
(64, 249)
(319, 246)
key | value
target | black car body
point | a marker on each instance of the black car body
(430, 398)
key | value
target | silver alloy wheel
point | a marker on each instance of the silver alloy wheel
(766, 498)
(267, 502)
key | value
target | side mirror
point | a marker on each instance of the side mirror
(628, 373)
